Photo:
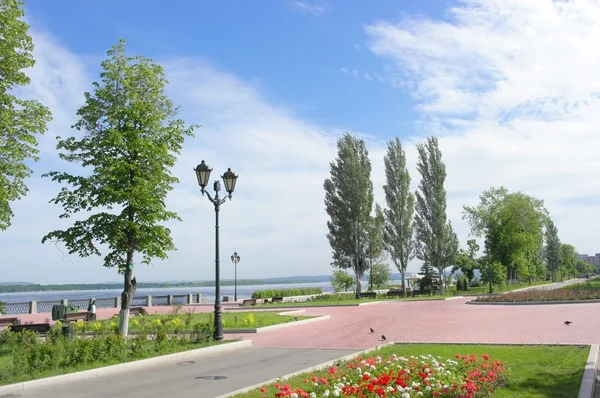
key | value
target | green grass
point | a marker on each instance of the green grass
(344, 300)
(484, 289)
(534, 371)
(588, 284)
(152, 351)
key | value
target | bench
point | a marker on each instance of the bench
(369, 294)
(250, 301)
(76, 316)
(135, 311)
(13, 320)
(395, 293)
(42, 328)
(277, 300)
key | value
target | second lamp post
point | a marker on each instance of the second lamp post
(235, 257)
(229, 178)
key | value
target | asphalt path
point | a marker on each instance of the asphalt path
(241, 368)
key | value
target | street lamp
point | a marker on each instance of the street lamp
(235, 257)
(229, 179)
(489, 263)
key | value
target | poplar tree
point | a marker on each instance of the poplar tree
(436, 243)
(399, 215)
(348, 202)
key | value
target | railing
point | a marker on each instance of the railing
(34, 307)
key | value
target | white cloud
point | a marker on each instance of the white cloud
(304, 7)
(513, 89)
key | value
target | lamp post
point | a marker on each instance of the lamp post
(229, 179)
(489, 264)
(235, 257)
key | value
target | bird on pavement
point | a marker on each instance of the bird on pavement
(383, 337)
(568, 323)
(372, 331)
(296, 318)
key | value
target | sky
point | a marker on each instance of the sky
(511, 88)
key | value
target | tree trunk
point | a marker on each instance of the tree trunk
(441, 281)
(358, 281)
(403, 283)
(126, 296)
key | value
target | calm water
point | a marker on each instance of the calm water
(208, 293)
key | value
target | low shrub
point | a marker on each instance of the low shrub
(542, 295)
(270, 293)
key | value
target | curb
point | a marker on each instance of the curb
(134, 365)
(311, 369)
(532, 302)
(588, 381)
(278, 326)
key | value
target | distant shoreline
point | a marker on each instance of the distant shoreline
(33, 288)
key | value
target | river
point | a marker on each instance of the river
(208, 293)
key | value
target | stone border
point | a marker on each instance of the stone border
(532, 302)
(279, 325)
(133, 365)
(588, 381)
(311, 369)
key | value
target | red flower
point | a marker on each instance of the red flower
(263, 389)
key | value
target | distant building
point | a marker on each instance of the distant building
(594, 260)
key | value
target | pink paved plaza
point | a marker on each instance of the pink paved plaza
(443, 321)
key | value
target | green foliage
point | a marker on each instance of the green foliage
(436, 243)
(270, 293)
(341, 281)
(498, 273)
(380, 275)
(2, 307)
(583, 268)
(375, 234)
(348, 202)
(568, 260)
(543, 295)
(429, 281)
(399, 216)
(512, 223)
(462, 283)
(20, 119)
(465, 261)
(552, 251)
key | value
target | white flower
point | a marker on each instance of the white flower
(428, 388)
(313, 395)
(316, 384)
(326, 393)
(373, 367)
(405, 395)
(294, 395)
(419, 393)
(336, 393)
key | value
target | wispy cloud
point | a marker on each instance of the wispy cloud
(513, 88)
(303, 7)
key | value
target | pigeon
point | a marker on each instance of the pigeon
(568, 323)
(296, 318)
(372, 331)
(383, 337)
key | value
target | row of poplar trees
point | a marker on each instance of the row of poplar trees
(412, 224)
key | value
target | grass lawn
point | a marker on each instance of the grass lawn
(588, 284)
(484, 289)
(534, 371)
(9, 377)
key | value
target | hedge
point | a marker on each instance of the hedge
(270, 293)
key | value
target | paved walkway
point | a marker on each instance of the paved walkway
(285, 350)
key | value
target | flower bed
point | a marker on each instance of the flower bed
(542, 295)
(270, 293)
(397, 376)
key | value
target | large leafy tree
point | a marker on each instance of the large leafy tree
(552, 250)
(130, 141)
(436, 243)
(513, 224)
(348, 202)
(568, 260)
(399, 215)
(20, 120)
(466, 260)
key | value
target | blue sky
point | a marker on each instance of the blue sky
(510, 87)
